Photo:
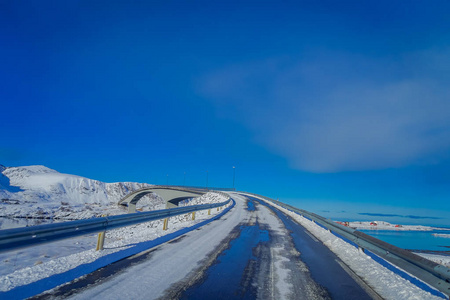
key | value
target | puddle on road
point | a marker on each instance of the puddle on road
(250, 205)
(228, 278)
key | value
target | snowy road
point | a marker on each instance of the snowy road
(248, 253)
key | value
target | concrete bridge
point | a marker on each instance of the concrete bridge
(173, 195)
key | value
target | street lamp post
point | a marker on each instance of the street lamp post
(234, 174)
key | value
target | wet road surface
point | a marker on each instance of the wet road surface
(312, 270)
(253, 252)
(325, 267)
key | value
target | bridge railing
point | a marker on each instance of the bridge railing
(434, 274)
(29, 236)
(183, 187)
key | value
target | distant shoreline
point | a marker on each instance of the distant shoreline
(436, 252)
(386, 226)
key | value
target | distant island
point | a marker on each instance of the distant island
(382, 225)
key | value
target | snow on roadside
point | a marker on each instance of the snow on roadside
(439, 259)
(386, 283)
(211, 197)
(71, 256)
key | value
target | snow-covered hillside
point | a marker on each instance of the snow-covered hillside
(40, 192)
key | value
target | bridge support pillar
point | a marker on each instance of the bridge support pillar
(209, 211)
(169, 204)
(193, 215)
(171, 195)
(131, 208)
(166, 223)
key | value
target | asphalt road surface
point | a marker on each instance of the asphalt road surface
(252, 252)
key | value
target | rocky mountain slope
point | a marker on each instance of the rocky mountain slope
(40, 192)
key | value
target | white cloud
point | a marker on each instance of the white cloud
(330, 112)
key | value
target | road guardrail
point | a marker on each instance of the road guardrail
(29, 236)
(199, 188)
(434, 274)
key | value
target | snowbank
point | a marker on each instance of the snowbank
(440, 259)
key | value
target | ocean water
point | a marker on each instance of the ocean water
(413, 240)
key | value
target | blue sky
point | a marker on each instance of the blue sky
(338, 107)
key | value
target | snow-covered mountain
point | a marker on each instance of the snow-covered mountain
(38, 191)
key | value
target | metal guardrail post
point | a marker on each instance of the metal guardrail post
(100, 241)
(166, 224)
